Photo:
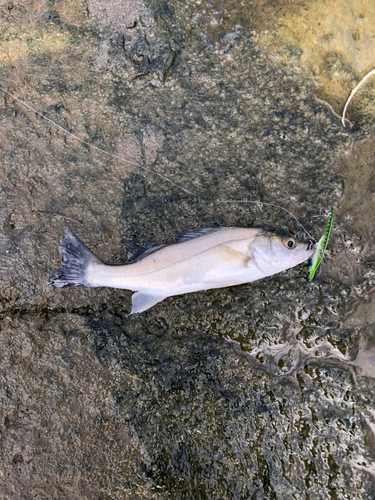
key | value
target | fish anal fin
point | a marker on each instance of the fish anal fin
(141, 302)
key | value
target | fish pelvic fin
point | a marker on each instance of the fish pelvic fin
(75, 259)
(141, 302)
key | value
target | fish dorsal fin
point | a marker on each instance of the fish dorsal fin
(196, 233)
(142, 251)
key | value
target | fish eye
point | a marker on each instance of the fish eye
(289, 243)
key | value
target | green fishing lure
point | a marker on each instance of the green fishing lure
(321, 248)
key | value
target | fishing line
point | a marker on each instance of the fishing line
(92, 145)
(271, 205)
(141, 166)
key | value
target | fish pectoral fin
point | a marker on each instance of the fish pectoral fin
(234, 257)
(141, 302)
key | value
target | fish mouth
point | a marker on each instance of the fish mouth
(310, 245)
(305, 252)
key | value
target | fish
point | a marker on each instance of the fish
(201, 259)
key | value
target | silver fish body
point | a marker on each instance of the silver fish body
(200, 260)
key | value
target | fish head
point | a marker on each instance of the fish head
(274, 253)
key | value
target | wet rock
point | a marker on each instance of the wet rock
(258, 391)
(134, 55)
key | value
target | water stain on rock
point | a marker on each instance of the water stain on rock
(333, 41)
(358, 207)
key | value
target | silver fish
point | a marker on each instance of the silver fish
(201, 259)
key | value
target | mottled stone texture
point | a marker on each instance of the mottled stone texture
(253, 392)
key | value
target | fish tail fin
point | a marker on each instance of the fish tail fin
(75, 259)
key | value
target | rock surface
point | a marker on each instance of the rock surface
(260, 391)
